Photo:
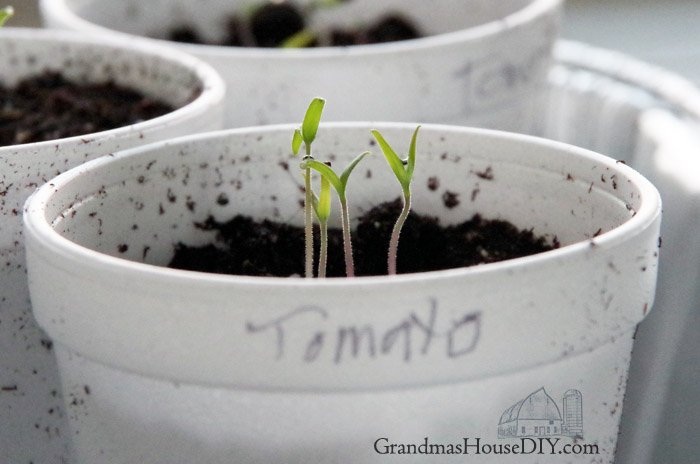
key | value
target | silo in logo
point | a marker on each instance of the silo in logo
(537, 415)
(573, 414)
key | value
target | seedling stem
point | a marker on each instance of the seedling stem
(322, 206)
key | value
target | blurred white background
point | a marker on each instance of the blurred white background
(663, 32)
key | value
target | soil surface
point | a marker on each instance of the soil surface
(267, 248)
(49, 107)
(272, 23)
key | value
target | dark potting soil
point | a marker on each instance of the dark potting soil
(267, 248)
(272, 23)
(49, 107)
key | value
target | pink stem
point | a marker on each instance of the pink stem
(394, 241)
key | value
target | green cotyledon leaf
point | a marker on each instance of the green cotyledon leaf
(309, 126)
(296, 141)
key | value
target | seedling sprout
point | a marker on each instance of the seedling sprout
(403, 169)
(306, 37)
(307, 134)
(5, 14)
(301, 39)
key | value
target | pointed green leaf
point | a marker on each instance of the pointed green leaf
(326, 172)
(321, 206)
(296, 141)
(348, 170)
(412, 156)
(393, 159)
(5, 14)
(323, 210)
(311, 120)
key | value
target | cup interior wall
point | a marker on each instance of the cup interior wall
(151, 200)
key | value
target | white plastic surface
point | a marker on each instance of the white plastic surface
(32, 420)
(483, 63)
(649, 117)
